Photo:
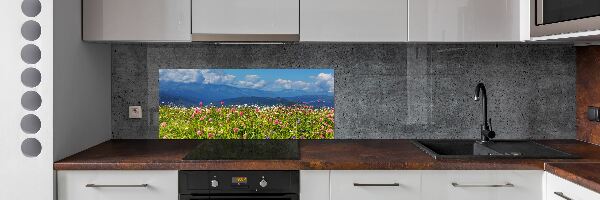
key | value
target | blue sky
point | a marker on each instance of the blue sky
(318, 80)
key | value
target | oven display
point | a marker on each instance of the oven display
(239, 181)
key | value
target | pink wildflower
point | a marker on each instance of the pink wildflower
(235, 130)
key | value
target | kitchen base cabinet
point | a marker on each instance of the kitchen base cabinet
(375, 184)
(314, 185)
(117, 185)
(482, 185)
(560, 189)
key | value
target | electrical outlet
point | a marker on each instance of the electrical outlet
(135, 112)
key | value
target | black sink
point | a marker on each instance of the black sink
(471, 149)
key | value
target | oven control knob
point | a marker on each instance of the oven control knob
(214, 183)
(263, 183)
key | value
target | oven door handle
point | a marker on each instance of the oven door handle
(245, 196)
(192, 197)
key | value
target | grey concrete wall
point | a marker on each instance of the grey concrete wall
(382, 90)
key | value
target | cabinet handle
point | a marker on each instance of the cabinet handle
(115, 186)
(560, 194)
(376, 184)
(499, 185)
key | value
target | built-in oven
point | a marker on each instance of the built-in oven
(237, 185)
(553, 17)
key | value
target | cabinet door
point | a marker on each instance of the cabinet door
(482, 185)
(231, 17)
(374, 184)
(561, 189)
(468, 20)
(314, 185)
(353, 20)
(117, 185)
(136, 20)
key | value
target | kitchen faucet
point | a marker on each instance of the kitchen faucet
(486, 129)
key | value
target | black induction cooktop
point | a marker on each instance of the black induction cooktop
(245, 150)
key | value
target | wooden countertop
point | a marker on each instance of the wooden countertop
(314, 154)
(584, 174)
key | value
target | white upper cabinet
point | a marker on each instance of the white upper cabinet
(353, 20)
(245, 20)
(136, 20)
(468, 20)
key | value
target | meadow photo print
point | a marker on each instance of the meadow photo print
(246, 103)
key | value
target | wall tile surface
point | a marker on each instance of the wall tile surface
(382, 90)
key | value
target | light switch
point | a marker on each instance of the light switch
(135, 112)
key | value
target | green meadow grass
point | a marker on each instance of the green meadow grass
(246, 122)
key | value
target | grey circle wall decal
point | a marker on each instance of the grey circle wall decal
(31, 77)
(31, 30)
(31, 54)
(31, 147)
(31, 124)
(31, 100)
(31, 8)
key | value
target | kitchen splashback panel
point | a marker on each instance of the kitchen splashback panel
(381, 90)
(246, 104)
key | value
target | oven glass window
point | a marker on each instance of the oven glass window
(554, 11)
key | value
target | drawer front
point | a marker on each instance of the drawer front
(117, 185)
(376, 185)
(482, 185)
(560, 189)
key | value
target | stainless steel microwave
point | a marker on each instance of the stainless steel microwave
(554, 17)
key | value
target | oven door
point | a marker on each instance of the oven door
(240, 197)
(552, 17)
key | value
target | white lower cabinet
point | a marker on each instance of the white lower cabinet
(117, 185)
(314, 185)
(482, 185)
(375, 185)
(560, 189)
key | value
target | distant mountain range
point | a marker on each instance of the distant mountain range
(191, 94)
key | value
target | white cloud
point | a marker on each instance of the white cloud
(289, 84)
(252, 77)
(179, 75)
(252, 81)
(254, 85)
(324, 82)
(215, 77)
